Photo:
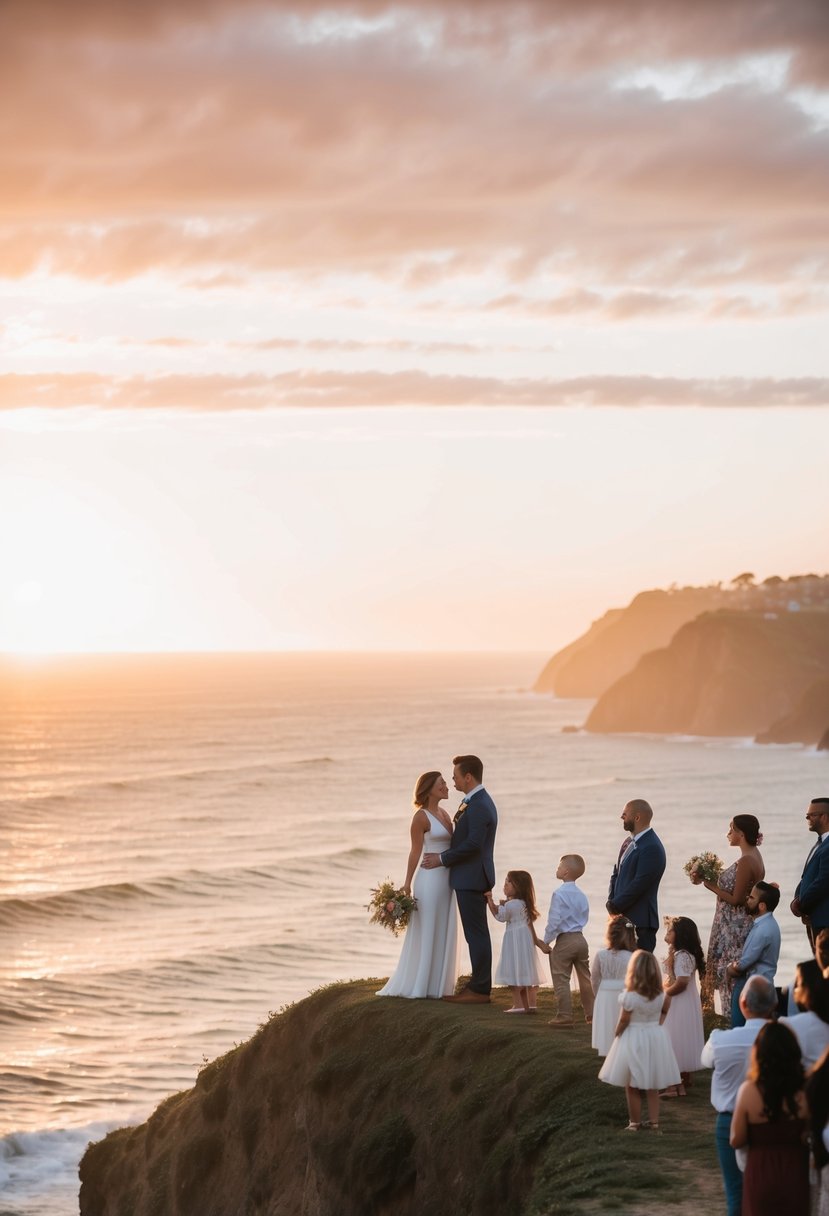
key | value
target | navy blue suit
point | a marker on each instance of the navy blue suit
(813, 891)
(634, 886)
(472, 872)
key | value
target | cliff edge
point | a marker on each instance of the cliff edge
(807, 723)
(614, 644)
(726, 673)
(346, 1105)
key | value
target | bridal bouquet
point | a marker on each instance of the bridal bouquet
(390, 907)
(706, 866)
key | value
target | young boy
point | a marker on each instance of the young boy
(761, 948)
(568, 915)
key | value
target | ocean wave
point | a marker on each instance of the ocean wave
(65, 788)
(44, 1164)
(107, 897)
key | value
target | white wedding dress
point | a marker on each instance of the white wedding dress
(428, 963)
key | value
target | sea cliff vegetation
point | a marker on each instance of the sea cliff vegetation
(751, 659)
(346, 1105)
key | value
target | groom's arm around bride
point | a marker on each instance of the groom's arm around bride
(470, 860)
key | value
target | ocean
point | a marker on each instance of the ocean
(189, 842)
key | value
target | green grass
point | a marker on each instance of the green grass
(374, 1107)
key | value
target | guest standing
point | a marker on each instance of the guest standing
(811, 1026)
(634, 883)
(817, 1095)
(569, 912)
(518, 964)
(761, 948)
(684, 1020)
(607, 976)
(731, 919)
(641, 1057)
(811, 898)
(771, 1121)
(728, 1052)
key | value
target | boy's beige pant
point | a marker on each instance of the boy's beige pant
(570, 953)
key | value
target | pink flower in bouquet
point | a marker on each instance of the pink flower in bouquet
(390, 906)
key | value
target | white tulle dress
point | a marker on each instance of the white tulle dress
(641, 1056)
(607, 975)
(684, 1020)
(428, 964)
(518, 965)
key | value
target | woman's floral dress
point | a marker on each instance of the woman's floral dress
(725, 945)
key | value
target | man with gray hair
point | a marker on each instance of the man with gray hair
(728, 1053)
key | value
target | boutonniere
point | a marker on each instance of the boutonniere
(459, 812)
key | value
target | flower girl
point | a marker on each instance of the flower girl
(641, 1056)
(684, 1020)
(518, 965)
(607, 976)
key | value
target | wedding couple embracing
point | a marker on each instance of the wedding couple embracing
(453, 861)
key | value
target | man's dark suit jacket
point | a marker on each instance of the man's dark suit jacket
(813, 888)
(470, 856)
(634, 884)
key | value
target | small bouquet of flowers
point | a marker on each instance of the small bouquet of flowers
(705, 866)
(391, 907)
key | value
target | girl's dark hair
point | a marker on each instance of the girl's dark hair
(749, 825)
(686, 937)
(621, 934)
(816, 989)
(777, 1069)
(524, 889)
(817, 1095)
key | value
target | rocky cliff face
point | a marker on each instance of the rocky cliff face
(614, 644)
(726, 673)
(809, 721)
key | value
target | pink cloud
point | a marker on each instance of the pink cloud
(210, 144)
(413, 388)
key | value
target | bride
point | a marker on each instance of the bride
(428, 963)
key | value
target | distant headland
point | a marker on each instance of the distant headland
(745, 658)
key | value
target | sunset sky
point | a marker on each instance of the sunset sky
(418, 325)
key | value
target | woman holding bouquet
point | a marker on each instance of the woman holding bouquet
(731, 920)
(428, 963)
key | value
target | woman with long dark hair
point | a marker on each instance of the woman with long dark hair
(731, 920)
(771, 1121)
(817, 1095)
(684, 961)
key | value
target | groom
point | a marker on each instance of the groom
(471, 872)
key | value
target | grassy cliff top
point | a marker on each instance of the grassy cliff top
(352, 1105)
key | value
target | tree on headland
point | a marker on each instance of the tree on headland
(774, 580)
(743, 580)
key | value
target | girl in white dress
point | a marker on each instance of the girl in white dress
(684, 1021)
(607, 975)
(641, 1056)
(518, 965)
(428, 963)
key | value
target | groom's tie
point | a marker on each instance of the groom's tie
(623, 851)
(461, 808)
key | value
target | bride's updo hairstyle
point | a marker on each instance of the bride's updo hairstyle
(423, 788)
(749, 826)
